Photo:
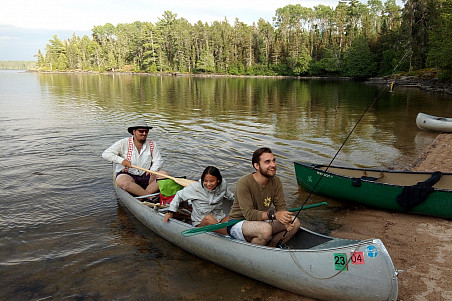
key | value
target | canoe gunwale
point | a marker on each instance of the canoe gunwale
(356, 283)
(317, 167)
(379, 194)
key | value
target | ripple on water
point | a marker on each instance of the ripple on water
(62, 232)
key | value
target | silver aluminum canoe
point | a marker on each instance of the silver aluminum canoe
(433, 123)
(315, 265)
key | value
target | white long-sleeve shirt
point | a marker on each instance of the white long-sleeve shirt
(146, 158)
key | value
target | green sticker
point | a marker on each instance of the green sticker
(340, 261)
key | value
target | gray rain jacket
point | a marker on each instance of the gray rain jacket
(203, 200)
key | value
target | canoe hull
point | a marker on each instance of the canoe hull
(309, 271)
(433, 123)
(372, 193)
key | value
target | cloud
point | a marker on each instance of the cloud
(85, 14)
(22, 44)
(27, 25)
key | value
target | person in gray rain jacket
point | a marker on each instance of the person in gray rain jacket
(206, 196)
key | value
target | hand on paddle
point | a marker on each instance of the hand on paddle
(152, 177)
(126, 163)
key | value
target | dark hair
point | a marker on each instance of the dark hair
(211, 170)
(257, 154)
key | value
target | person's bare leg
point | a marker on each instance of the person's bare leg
(279, 230)
(153, 186)
(209, 219)
(257, 232)
(127, 183)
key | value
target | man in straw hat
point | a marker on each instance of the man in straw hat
(140, 151)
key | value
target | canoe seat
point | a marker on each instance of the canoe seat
(356, 182)
(369, 178)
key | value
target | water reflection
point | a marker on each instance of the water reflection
(62, 233)
(312, 118)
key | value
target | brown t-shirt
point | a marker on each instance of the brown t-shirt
(251, 199)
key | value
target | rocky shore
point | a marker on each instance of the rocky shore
(427, 83)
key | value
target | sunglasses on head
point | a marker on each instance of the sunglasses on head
(143, 131)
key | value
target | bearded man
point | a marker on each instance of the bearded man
(140, 151)
(259, 199)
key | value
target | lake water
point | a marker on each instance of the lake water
(64, 235)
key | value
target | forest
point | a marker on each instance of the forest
(353, 39)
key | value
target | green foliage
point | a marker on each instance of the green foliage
(236, 69)
(206, 61)
(419, 19)
(346, 40)
(445, 76)
(260, 70)
(300, 64)
(328, 65)
(440, 51)
(358, 60)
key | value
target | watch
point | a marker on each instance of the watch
(271, 214)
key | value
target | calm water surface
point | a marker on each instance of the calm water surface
(64, 235)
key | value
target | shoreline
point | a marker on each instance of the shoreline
(430, 84)
(427, 84)
(419, 245)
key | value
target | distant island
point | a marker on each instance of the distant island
(17, 65)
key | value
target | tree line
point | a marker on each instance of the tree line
(352, 39)
(17, 65)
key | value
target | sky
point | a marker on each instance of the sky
(27, 25)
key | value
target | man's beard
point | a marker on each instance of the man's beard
(266, 174)
(141, 140)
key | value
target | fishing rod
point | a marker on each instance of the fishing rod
(340, 148)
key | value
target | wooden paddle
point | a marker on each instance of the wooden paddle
(180, 181)
(214, 227)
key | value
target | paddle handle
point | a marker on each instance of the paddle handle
(154, 172)
(308, 206)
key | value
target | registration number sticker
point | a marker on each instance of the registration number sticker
(357, 257)
(340, 262)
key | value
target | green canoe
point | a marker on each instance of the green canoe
(414, 192)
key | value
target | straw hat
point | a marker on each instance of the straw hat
(139, 125)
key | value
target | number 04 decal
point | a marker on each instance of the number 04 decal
(357, 257)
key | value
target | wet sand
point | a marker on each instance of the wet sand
(419, 245)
